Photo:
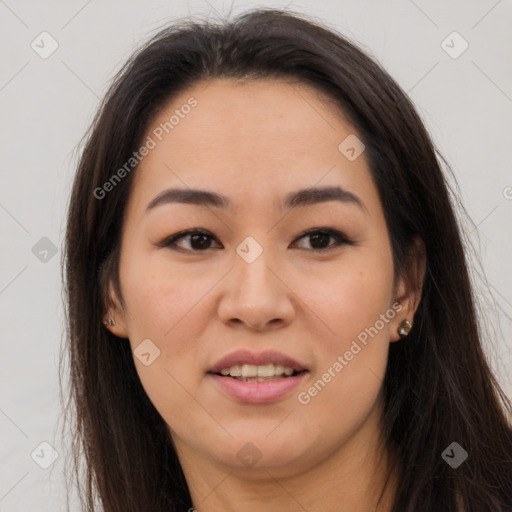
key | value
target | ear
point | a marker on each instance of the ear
(115, 311)
(408, 286)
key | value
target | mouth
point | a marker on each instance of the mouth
(257, 378)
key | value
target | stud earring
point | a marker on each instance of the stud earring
(404, 328)
(110, 321)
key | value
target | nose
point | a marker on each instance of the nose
(256, 296)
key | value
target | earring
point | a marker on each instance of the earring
(404, 328)
(110, 321)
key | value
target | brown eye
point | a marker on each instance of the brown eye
(321, 239)
(191, 240)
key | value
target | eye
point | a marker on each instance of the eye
(319, 239)
(192, 240)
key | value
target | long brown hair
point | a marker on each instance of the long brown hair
(438, 387)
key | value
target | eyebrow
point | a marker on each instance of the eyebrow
(303, 197)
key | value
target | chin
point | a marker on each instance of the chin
(256, 452)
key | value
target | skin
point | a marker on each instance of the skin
(255, 142)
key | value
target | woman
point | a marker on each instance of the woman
(268, 298)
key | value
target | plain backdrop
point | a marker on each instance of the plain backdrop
(46, 105)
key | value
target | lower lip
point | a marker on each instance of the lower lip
(257, 392)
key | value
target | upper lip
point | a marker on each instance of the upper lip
(241, 357)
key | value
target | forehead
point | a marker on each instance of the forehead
(269, 115)
(254, 137)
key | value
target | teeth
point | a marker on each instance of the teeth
(252, 372)
(278, 369)
(266, 370)
(249, 370)
(235, 371)
(258, 379)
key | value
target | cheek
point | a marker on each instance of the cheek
(352, 355)
(159, 297)
(164, 307)
(349, 295)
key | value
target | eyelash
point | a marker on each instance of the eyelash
(340, 238)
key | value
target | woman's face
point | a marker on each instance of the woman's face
(256, 288)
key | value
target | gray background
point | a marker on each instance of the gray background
(46, 105)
